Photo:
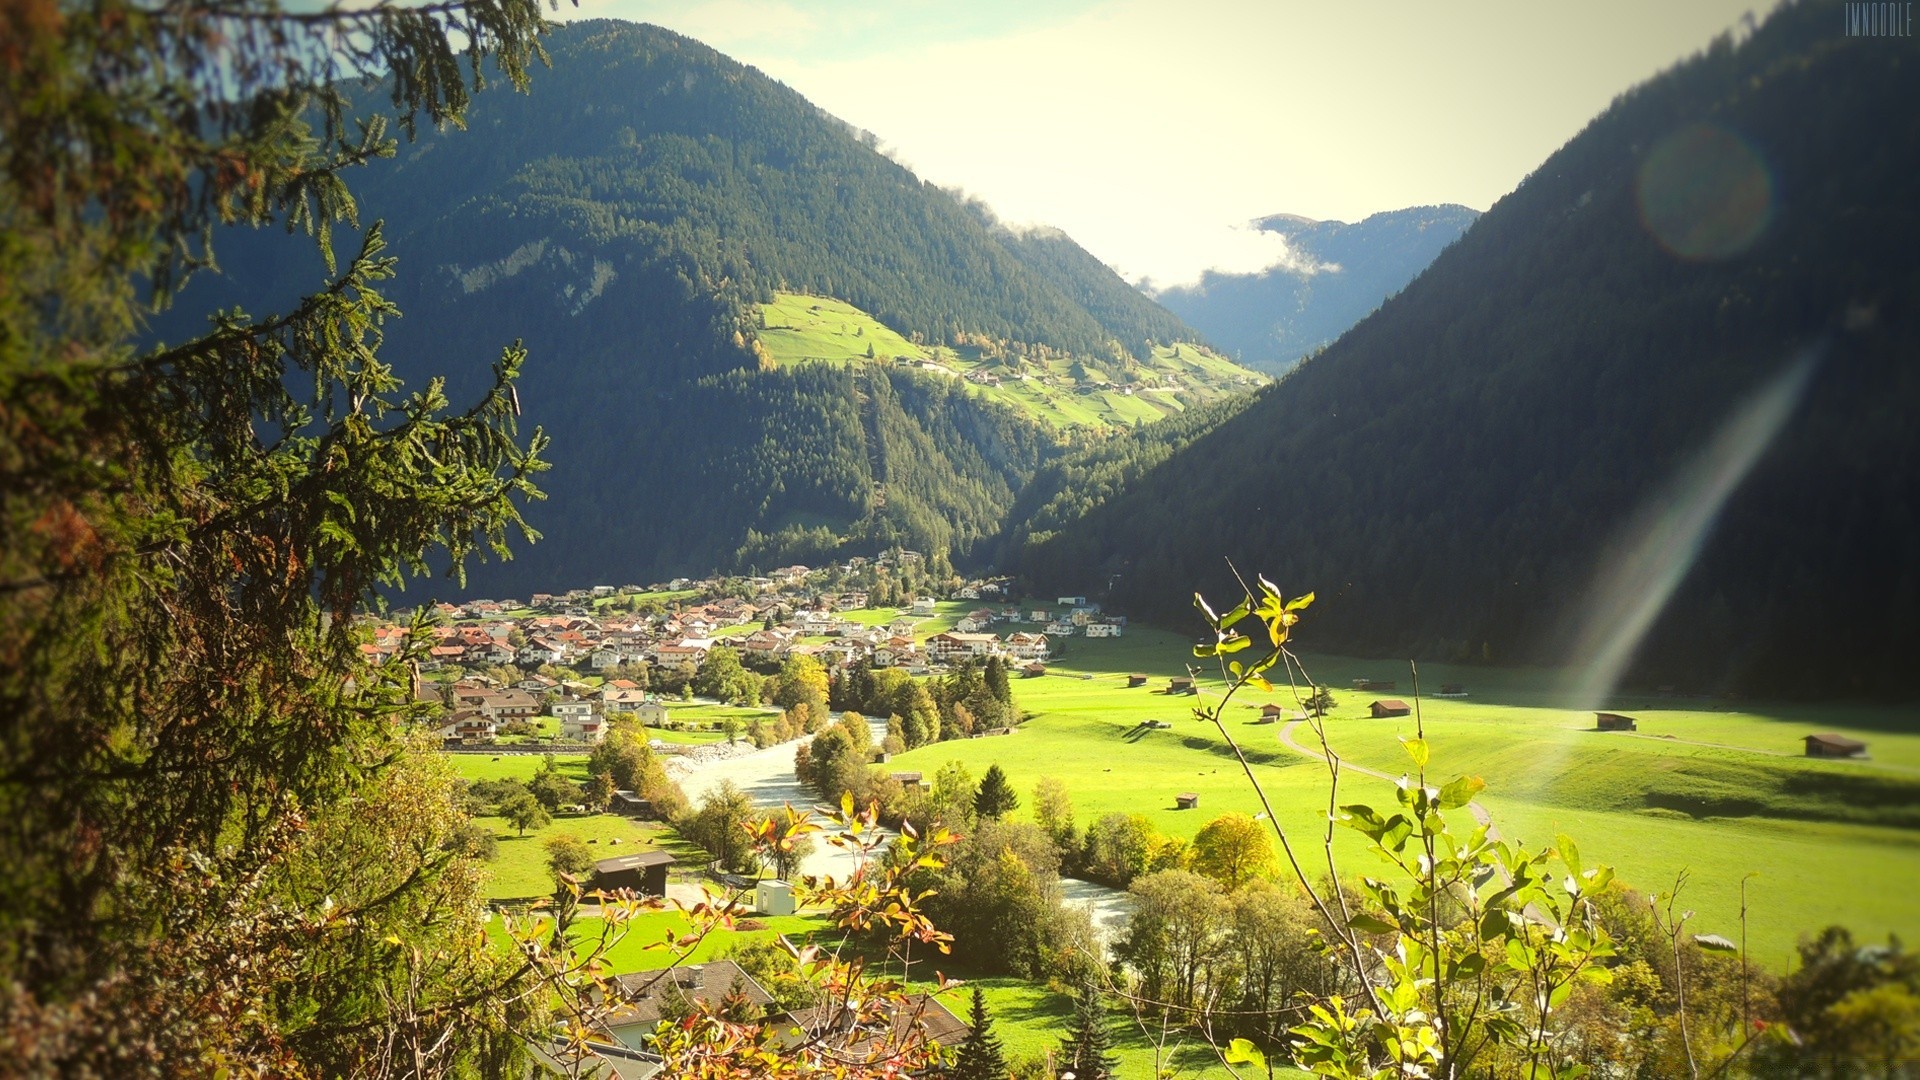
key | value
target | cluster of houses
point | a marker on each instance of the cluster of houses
(477, 708)
(786, 617)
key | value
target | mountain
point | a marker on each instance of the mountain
(1570, 387)
(657, 222)
(1269, 320)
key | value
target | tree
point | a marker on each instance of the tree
(599, 791)
(1321, 701)
(720, 826)
(1119, 848)
(980, 1056)
(552, 787)
(568, 854)
(951, 799)
(524, 812)
(1233, 849)
(1176, 939)
(190, 529)
(1087, 1049)
(996, 798)
(1053, 810)
(730, 727)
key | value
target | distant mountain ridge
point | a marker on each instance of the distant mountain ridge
(1270, 319)
(628, 218)
(1452, 474)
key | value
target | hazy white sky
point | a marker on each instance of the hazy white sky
(1152, 131)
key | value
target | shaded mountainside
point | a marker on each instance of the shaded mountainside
(628, 218)
(1269, 320)
(1451, 474)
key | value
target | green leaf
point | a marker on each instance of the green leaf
(1243, 1052)
(1372, 924)
(1569, 853)
(1461, 792)
(1417, 750)
(1299, 602)
(1715, 943)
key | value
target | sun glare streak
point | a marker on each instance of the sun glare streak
(1657, 550)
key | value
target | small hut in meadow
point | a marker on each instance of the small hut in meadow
(1136, 680)
(1390, 707)
(1180, 685)
(645, 873)
(1835, 746)
(1608, 721)
(1187, 800)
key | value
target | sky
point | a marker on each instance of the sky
(1154, 131)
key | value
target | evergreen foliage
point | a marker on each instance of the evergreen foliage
(221, 852)
(629, 242)
(980, 1056)
(996, 798)
(1087, 1049)
(1461, 462)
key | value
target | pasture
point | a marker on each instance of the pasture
(1061, 391)
(1648, 804)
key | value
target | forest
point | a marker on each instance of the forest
(1453, 470)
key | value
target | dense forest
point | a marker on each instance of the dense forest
(1272, 318)
(1449, 474)
(625, 218)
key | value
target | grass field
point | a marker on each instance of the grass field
(1063, 391)
(519, 865)
(1649, 806)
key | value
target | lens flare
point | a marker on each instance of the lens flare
(1657, 549)
(1704, 193)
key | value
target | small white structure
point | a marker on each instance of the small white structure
(773, 897)
(923, 605)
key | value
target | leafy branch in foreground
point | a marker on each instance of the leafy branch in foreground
(1463, 952)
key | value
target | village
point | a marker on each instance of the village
(573, 659)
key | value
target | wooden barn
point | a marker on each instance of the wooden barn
(1186, 800)
(1136, 680)
(1609, 721)
(1835, 746)
(645, 873)
(1180, 685)
(1390, 707)
(630, 804)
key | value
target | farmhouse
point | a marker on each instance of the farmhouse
(1606, 721)
(1390, 707)
(645, 873)
(1025, 646)
(580, 720)
(1835, 746)
(954, 646)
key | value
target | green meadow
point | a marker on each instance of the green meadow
(1651, 804)
(1064, 391)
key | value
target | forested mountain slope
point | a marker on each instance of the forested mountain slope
(628, 218)
(1270, 319)
(1451, 475)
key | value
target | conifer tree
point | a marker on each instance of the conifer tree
(980, 1056)
(996, 797)
(1087, 1049)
